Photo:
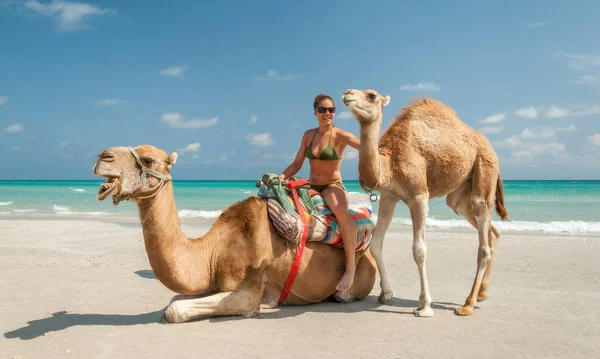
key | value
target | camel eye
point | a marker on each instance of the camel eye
(147, 161)
(372, 96)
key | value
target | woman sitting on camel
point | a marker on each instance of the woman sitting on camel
(324, 146)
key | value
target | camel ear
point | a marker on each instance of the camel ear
(172, 159)
(386, 100)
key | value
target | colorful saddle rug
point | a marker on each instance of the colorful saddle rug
(322, 224)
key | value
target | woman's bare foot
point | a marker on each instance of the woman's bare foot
(346, 282)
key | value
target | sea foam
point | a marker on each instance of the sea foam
(552, 227)
(201, 214)
(2, 204)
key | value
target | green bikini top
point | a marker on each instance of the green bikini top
(328, 153)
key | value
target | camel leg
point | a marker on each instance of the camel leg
(485, 282)
(482, 200)
(386, 212)
(460, 202)
(419, 209)
(237, 302)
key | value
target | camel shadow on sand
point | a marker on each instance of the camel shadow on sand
(62, 320)
(368, 304)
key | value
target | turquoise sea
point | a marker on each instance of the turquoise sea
(542, 206)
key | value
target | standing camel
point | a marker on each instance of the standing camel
(434, 154)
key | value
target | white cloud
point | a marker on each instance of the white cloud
(527, 112)
(497, 118)
(534, 25)
(176, 120)
(594, 139)
(512, 141)
(68, 16)
(33, 137)
(16, 148)
(289, 156)
(545, 132)
(63, 144)
(587, 64)
(3, 100)
(253, 119)
(492, 129)
(590, 111)
(590, 80)
(570, 128)
(223, 158)
(108, 102)
(260, 139)
(530, 145)
(104, 122)
(580, 62)
(345, 115)
(174, 71)
(294, 125)
(421, 86)
(14, 128)
(350, 154)
(192, 147)
(276, 76)
(557, 112)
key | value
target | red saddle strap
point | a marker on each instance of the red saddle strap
(296, 264)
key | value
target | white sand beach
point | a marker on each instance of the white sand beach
(84, 289)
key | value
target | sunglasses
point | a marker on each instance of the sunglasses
(325, 109)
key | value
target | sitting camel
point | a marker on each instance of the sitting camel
(240, 265)
(434, 154)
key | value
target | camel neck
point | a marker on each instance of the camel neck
(368, 162)
(169, 251)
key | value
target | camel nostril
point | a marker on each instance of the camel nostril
(106, 156)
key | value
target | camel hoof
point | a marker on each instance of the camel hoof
(251, 314)
(268, 306)
(423, 312)
(385, 297)
(175, 314)
(482, 295)
(463, 311)
(343, 297)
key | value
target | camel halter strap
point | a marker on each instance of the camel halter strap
(151, 172)
(372, 196)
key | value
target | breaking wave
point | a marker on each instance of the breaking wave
(551, 227)
(200, 214)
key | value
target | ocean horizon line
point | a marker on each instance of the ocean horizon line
(248, 180)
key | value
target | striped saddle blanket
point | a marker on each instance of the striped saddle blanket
(322, 225)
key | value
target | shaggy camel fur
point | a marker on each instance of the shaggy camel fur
(240, 265)
(434, 154)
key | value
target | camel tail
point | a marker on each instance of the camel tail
(500, 209)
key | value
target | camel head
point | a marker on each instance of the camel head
(365, 105)
(133, 173)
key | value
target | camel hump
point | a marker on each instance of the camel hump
(428, 109)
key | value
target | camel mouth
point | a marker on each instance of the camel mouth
(112, 187)
(347, 101)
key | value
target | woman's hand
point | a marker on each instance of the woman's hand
(385, 151)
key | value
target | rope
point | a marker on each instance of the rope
(145, 170)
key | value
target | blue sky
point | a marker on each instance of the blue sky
(230, 85)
